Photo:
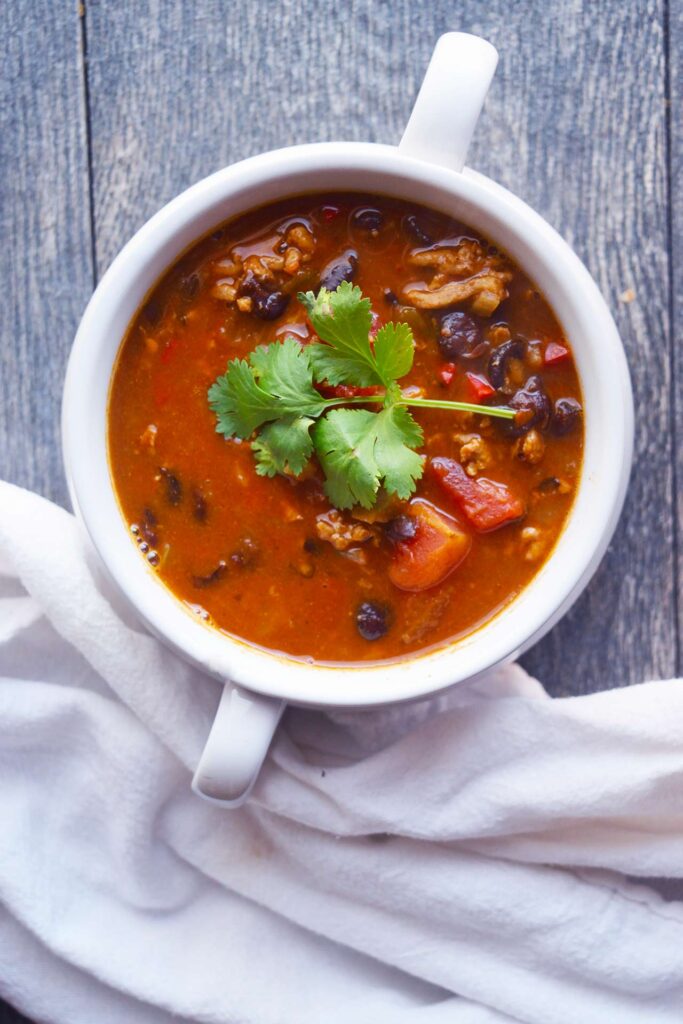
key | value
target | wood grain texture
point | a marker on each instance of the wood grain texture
(675, 125)
(575, 124)
(45, 259)
(589, 153)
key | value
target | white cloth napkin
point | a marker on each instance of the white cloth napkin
(456, 861)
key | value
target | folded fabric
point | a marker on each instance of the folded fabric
(460, 860)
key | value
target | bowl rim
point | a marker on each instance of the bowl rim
(540, 251)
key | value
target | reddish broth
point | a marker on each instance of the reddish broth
(249, 555)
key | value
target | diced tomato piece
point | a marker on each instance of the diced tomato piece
(330, 212)
(479, 386)
(555, 354)
(486, 504)
(348, 390)
(447, 373)
(438, 547)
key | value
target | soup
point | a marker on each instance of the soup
(376, 516)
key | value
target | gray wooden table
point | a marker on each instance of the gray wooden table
(107, 110)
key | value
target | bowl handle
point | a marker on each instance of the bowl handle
(237, 746)
(448, 105)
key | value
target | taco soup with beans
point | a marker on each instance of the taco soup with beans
(345, 428)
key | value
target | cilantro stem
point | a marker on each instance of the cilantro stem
(500, 411)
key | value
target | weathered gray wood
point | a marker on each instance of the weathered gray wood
(45, 258)
(579, 130)
(675, 121)
(575, 124)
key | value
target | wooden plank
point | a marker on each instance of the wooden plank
(675, 124)
(578, 128)
(45, 259)
(575, 124)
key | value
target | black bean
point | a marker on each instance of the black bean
(566, 415)
(390, 297)
(372, 620)
(415, 231)
(273, 306)
(533, 408)
(341, 269)
(174, 488)
(498, 361)
(367, 219)
(265, 304)
(459, 335)
(401, 528)
(213, 577)
(199, 508)
(549, 485)
(311, 546)
(245, 554)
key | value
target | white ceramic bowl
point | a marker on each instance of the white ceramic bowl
(245, 723)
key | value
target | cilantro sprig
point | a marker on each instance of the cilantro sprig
(272, 395)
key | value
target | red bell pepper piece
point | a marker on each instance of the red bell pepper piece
(555, 354)
(348, 390)
(480, 386)
(486, 504)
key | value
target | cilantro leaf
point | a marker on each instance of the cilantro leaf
(342, 319)
(284, 446)
(358, 450)
(394, 351)
(239, 403)
(277, 381)
(397, 434)
(344, 444)
(284, 370)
